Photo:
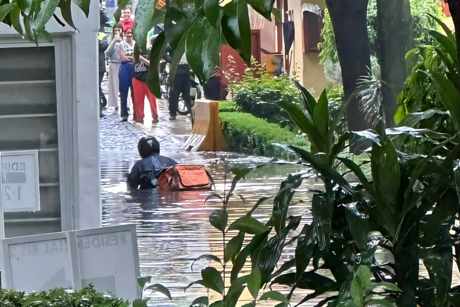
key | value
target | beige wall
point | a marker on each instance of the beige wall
(309, 71)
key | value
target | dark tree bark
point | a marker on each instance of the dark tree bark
(396, 38)
(349, 20)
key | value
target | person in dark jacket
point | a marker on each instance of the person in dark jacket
(145, 172)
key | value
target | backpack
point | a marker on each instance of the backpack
(148, 178)
(185, 178)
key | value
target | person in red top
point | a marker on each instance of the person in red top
(127, 22)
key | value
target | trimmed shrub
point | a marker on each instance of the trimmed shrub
(227, 106)
(85, 297)
(247, 134)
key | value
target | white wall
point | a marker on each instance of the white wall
(87, 212)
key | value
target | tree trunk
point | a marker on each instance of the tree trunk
(349, 20)
(396, 38)
(454, 7)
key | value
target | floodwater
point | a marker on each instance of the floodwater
(173, 228)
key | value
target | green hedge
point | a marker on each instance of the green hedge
(246, 133)
(85, 297)
(227, 106)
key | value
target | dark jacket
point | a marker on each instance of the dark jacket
(142, 173)
(103, 45)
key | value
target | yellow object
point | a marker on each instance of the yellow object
(206, 134)
(101, 35)
(274, 63)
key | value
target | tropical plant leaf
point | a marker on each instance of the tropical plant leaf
(283, 200)
(233, 247)
(274, 295)
(386, 286)
(234, 293)
(308, 100)
(177, 22)
(321, 117)
(236, 28)
(178, 53)
(449, 95)
(142, 281)
(153, 78)
(208, 257)
(322, 207)
(259, 202)
(248, 224)
(160, 288)
(198, 282)
(212, 12)
(359, 173)
(84, 5)
(202, 49)
(202, 300)
(413, 119)
(263, 7)
(33, 300)
(213, 280)
(254, 282)
(360, 284)
(446, 29)
(44, 15)
(306, 245)
(66, 12)
(314, 281)
(359, 226)
(218, 219)
(142, 22)
(284, 267)
(218, 304)
(140, 302)
(446, 43)
(256, 242)
(268, 257)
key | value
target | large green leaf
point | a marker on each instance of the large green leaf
(439, 265)
(233, 247)
(444, 27)
(15, 18)
(24, 5)
(259, 202)
(248, 224)
(359, 226)
(203, 48)
(213, 280)
(202, 300)
(234, 293)
(198, 282)
(256, 242)
(449, 94)
(142, 22)
(263, 7)
(178, 53)
(236, 28)
(319, 164)
(153, 78)
(321, 116)
(274, 295)
(268, 257)
(283, 200)
(254, 282)
(322, 207)
(84, 5)
(218, 219)
(445, 42)
(142, 281)
(308, 100)
(306, 245)
(207, 257)
(314, 281)
(446, 208)
(212, 11)
(305, 123)
(359, 173)
(47, 10)
(413, 119)
(178, 21)
(360, 285)
(160, 288)
(66, 12)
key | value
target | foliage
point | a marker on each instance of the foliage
(85, 297)
(248, 134)
(365, 238)
(423, 103)
(422, 23)
(256, 91)
(226, 106)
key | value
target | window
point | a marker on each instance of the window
(312, 26)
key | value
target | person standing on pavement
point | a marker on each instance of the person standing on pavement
(181, 86)
(103, 44)
(141, 89)
(113, 54)
(126, 73)
(127, 22)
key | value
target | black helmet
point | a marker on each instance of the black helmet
(147, 146)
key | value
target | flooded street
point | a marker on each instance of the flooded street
(173, 228)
